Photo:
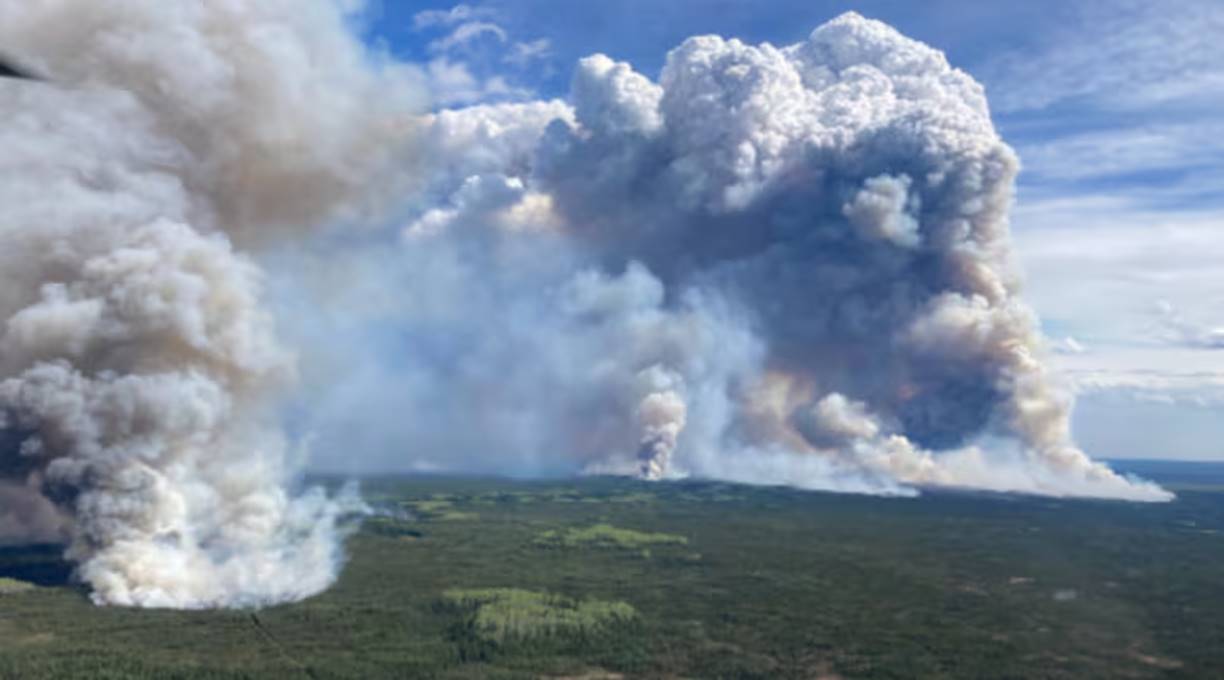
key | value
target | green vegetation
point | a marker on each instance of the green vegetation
(502, 614)
(389, 526)
(429, 507)
(790, 584)
(439, 508)
(605, 536)
(11, 586)
(456, 516)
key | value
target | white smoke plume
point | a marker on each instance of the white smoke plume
(661, 418)
(138, 366)
(781, 265)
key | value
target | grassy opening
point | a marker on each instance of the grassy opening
(606, 536)
(504, 614)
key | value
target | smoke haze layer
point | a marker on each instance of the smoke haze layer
(779, 265)
(139, 369)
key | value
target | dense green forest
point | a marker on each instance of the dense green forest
(606, 578)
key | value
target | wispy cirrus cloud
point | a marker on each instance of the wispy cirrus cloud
(1119, 55)
(1175, 328)
(469, 50)
(1099, 267)
(1140, 293)
(454, 84)
(461, 13)
(1120, 101)
(522, 53)
(1148, 148)
(467, 33)
(1120, 219)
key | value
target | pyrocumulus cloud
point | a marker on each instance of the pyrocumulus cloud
(781, 265)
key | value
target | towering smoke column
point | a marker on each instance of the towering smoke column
(136, 361)
(786, 265)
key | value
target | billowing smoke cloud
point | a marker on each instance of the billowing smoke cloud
(137, 363)
(771, 265)
(783, 265)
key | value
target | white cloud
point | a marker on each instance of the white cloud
(1070, 345)
(523, 53)
(1183, 375)
(452, 82)
(1142, 292)
(469, 49)
(1175, 328)
(1119, 55)
(1115, 118)
(1096, 267)
(434, 18)
(1149, 147)
(467, 33)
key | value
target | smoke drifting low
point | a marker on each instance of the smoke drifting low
(779, 265)
(771, 265)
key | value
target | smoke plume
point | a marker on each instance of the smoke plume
(138, 365)
(772, 265)
(779, 265)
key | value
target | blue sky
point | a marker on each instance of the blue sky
(1112, 105)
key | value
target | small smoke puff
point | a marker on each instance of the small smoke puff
(1070, 345)
(484, 201)
(882, 209)
(834, 422)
